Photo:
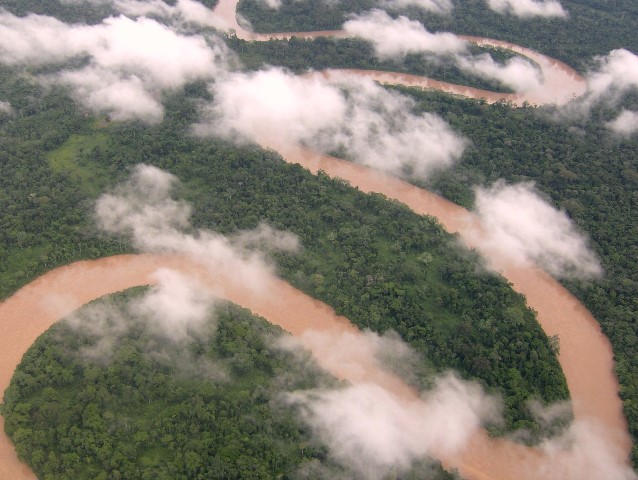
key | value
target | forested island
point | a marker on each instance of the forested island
(371, 259)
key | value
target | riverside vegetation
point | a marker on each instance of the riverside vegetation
(372, 259)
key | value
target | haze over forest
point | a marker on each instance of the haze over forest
(302, 174)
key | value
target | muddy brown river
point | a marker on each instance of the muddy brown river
(585, 353)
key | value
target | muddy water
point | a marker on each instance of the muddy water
(560, 84)
(586, 355)
(34, 308)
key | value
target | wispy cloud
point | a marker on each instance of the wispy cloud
(179, 12)
(396, 37)
(372, 428)
(518, 222)
(529, 8)
(516, 73)
(584, 452)
(128, 63)
(175, 312)
(613, 76)
(436, 6)
(367, 123)
(178, 306)
(143, 210)
(626, 124)
(5, 107)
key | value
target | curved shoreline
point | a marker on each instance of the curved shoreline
(586, 355)
(561, 83)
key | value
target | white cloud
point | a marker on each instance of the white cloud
(272, 104)
(517, 73)
(373, 431)
(516, 221)
(529, 8)
(617, 73)
(183, 11)
(398, 37)
(36, 39)
(274, 4)
(6, 107)
(626, 124)
(369, 124)
(437, 6)
(585, 451)
(174, 312)
(613, 76)
(377, 424)
(177, 306)
(123, 97)
(129, 62)
(142, 209)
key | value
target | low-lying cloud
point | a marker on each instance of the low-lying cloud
(584, 452)
(126, 64)
(178, 306)
(436, 6)
(516, 73)
(625, 125)
(529, 8)
(613, 76)
(516, 221)
(142, 210)
(175, 312)
(349, 115)
(397, 37)
(180, 12)
(371, 426)
(5, 107)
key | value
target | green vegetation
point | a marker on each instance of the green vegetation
(88, 12)
(362, 254)
(299, 55)
(151, 408)
(594, 27)
(210, 407)
(64, 161)
(586, 171)
(372, 259)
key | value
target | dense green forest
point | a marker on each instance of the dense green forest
(298, 55)
(362, 254)
(371, 259)
(590, 174)
(210, 408)
(594, 27)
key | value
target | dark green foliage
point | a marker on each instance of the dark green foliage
(586, 171)
(138, 412)
(299, 55)
(44, 219)
(87, 12)
(371, 259)
(594, 27)
(362, 254)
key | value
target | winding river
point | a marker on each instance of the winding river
(585, 354)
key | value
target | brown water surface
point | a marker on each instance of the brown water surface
(560, 83)
(585, 353)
